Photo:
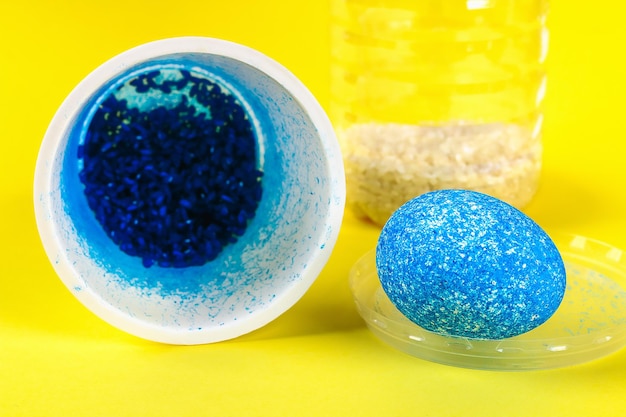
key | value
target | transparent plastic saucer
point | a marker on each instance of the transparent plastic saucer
(590, 322)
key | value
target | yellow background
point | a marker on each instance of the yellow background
(318, 359)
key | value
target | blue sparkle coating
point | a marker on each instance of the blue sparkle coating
(465, 264)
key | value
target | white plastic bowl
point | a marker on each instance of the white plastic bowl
(252, 281)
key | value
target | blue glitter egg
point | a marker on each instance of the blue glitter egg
(465, 264)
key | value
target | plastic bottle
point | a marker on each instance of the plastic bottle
(436, 94)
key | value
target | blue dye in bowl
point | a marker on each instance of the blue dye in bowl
(272, 261)
(170, 167)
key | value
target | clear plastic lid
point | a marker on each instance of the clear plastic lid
(590, 322)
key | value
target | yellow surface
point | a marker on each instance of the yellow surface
(318, 359)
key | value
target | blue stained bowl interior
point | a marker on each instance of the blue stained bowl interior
(290, 226)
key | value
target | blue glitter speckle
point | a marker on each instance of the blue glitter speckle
(465, 264)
